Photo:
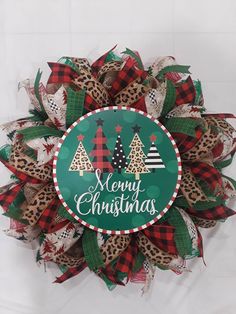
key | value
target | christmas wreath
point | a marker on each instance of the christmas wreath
(165, 91)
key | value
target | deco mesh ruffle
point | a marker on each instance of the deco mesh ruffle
(75, 87)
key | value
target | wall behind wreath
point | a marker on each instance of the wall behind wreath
(200, 33)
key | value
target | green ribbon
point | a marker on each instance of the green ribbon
(37, 115)
(173, 68)
(5, 152)
(39, 131)
(63, 268)
(203, 205)
(162, 267)
(170, 98)
(231, 180)
(138, 262)
(111, 56)
(110, 285)
(91, 250)
(182, 238)
(135, 57)
(198, 89)
(180, 202)
(75, 105)
(14, 211)
(62, 212)
(38, 257)
(183, 125)
(69, 62)
(200, 205)
(36, 89)
(222, 164)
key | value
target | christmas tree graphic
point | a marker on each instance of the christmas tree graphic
(153, 160)
(118, 159)
(136, 155)
(81, 160)
(100, 151)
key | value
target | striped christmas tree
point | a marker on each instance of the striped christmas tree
(153, 160)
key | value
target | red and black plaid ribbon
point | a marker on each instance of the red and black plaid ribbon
(46, 219)
(90, 104)
(207, 173)
(61, 73)
(111, 274)
(125, 76)
(214, 213)
(185, 93)
(100, 152)
(96, 66)
(19, 174)
(8, 196)
(71, 272)
(186, 142)
(162, 236)
(126, 260)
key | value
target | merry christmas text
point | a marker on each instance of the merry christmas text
(126, 201)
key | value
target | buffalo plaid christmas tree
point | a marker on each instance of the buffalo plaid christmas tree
(118, 159)
(100, 151)
(136, 156)
(153, 160)
(81, 160)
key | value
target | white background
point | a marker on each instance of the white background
(200, 33)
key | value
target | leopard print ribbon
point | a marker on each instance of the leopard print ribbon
(204, 223)
(132, 93)
(203, 147)
(29, 166)
(190, 187)
(93, 87)
(110, 250)
(107, 69)
(153, 253)
(39, 203)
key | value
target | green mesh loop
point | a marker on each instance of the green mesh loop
(138, 262)
(91, 250)
(183, 125)
(182, 238)
(75, 105)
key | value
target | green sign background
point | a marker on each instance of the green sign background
(159, 185)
